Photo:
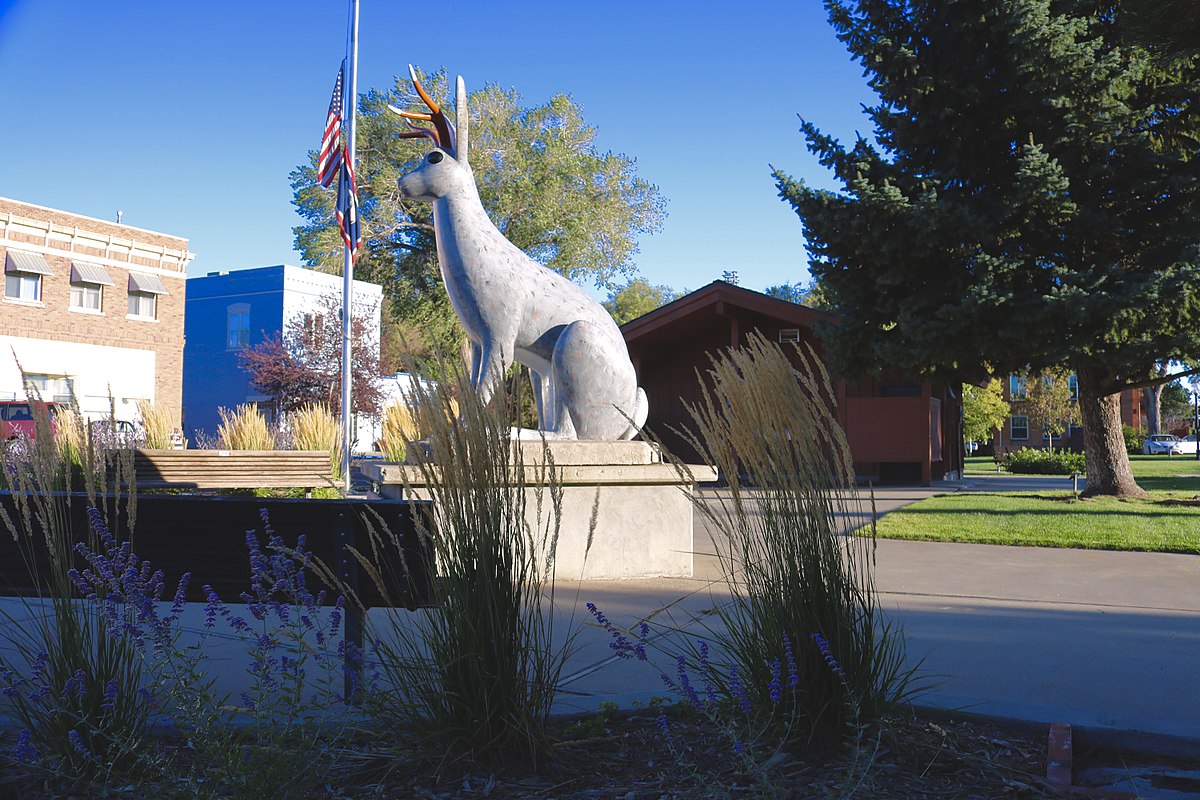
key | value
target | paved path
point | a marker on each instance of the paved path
(1100, 640)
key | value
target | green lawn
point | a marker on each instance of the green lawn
(1168, 522)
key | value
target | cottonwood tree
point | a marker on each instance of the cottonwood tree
(542, 179)
(1029, 199)
(637, 298)
(984, 410)
(302, 364)
(1049, 401)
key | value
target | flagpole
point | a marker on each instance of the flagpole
(348, 258)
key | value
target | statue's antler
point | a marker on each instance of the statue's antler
(443, 133)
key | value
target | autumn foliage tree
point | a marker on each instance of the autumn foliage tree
(302, 365)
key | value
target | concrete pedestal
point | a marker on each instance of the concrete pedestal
(644, 519)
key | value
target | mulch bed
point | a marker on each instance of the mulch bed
(626, 757)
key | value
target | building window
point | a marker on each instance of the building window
(237, 326)
(23, 286)
(1073, 382)
(1018, 428)
(144, 290)
(87, 296)
(87, 286)
(59, 388)
(1016, 388)
(23, 273)
(143, 305)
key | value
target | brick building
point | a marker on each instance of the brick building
(91, 310)
(1018, 432)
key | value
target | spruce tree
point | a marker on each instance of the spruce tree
(1029, 199)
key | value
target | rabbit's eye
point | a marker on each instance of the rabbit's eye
(435, 157)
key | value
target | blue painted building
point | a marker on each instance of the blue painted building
(227, 312)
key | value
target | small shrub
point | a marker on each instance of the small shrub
(316, 428)
(1029, 461)
(1135, 439)
(158, 425)
(244, 428)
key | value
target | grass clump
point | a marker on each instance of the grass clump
(244, 428)
(399, 428)
(476, 674)
(314, 427)
(158, 425)
(804, 605)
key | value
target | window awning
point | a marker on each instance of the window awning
(148, 284)
(20, 261)
(83, 272)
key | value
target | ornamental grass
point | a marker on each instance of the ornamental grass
(244, 428)
(802, 588)
(314, 427)
(158, 425)
(477, 673)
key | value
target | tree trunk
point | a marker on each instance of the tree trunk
(1153, 402)
(1108, 470)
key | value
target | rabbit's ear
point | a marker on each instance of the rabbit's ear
(461, 115)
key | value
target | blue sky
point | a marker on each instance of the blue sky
(188, 117)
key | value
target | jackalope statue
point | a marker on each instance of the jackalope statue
(514, 309)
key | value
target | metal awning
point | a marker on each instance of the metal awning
(83, 272)
(150, 284)
(20, 261)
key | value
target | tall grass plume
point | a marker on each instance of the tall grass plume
(785, 547)
(314, 427)
(244, 428)
(477, 672)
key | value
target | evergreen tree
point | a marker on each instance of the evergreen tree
(1029, 200)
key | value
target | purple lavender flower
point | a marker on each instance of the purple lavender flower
(76, 685)
(110, 695)
(664, 725)
(643, 634)
(827, 654)
(793, 678)
(706, 675)
(619, 645)
(685, 685)
(23, 750)
(775, 687)
(80, 746)
(739, 691)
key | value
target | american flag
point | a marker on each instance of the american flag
(347, 203)
(331, 151)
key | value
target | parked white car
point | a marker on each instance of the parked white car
(1185, 446)
(1159, 444)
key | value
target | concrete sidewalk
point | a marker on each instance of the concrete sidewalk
(1101, 640)
(1106, 641)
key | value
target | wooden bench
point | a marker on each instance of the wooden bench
(1001, 457)
(232, 469)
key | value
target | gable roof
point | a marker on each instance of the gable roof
(718, 298)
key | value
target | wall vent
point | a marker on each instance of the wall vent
(789, 335)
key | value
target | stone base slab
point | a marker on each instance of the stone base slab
(643, 515)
